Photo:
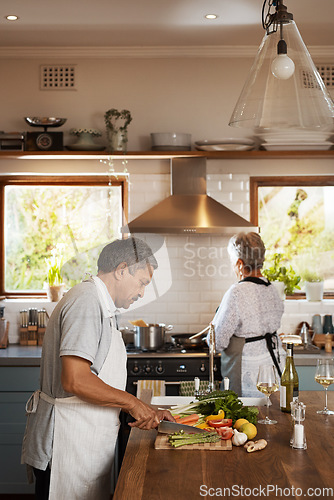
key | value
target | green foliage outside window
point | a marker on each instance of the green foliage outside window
(298, 222)
(38, 219)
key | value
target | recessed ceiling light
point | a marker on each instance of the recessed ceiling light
(211, 16)
(12, 17)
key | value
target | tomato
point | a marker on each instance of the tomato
(224, 422)
(225, 432)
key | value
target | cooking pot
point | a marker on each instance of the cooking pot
(151, 337)
(183, 339)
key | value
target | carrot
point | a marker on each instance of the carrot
(189, 420)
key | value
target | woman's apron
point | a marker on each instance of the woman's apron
(85, 434)
(231, 357)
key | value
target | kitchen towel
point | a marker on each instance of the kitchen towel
(158, 387)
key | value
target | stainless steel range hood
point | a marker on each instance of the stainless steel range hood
(189, 209)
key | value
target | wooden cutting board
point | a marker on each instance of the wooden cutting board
(161, 443)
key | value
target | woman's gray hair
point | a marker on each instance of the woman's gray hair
(249, 248)
(135, 252)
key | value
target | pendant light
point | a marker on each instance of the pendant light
(284, 89)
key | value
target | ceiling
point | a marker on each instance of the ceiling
(111, 23)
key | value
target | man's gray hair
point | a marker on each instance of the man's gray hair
(248, 247)
(135, 252)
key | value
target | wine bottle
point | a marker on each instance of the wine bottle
(289, 389)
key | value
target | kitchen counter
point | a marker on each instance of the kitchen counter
(17, 355)
(21, 355)
(278, 469)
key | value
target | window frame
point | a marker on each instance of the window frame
(53, 180)
(264, 181)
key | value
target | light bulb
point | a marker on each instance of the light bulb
(282, 67)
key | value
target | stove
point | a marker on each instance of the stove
(170, 363)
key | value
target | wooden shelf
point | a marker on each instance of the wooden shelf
(212, 155)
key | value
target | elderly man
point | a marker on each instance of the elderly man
(73, 420)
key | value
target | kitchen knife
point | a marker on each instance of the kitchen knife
(166, 427)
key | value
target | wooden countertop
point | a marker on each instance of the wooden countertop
(279, 470)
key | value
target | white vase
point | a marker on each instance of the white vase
(55, 292)
(279, 285)
(314, 290)
(117, 140)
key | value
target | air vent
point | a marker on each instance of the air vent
(327, 74)
(58, 77)
(309, 80)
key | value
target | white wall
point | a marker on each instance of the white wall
(196, 96)
(186, 95)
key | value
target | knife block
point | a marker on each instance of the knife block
(28, 335)
(32, 335)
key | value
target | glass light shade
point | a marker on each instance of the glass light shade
(298, 102)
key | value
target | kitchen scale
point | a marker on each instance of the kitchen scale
(44, 141)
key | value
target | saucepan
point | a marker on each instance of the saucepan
(151, 337)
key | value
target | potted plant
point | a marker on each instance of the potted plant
(284, 278)
(314, 285)
(117, 131)
(54, 285)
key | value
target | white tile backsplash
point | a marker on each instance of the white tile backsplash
(200, 268)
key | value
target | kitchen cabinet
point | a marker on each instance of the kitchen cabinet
(17, 383)
(278, 469)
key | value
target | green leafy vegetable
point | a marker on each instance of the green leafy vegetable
(220, 400)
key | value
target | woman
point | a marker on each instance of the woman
(248, 317)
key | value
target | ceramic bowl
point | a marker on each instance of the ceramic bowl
(170, 139)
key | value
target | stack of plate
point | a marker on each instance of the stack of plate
(295, 140)
(228, 144)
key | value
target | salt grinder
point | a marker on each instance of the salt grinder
(298, 440)
(197, 391)
(226, 383)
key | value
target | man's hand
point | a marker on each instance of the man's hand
(146, 417)
(165, 415)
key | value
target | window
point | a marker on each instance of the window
(70, 216)
(296, 218)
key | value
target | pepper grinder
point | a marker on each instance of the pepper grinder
(298, 440)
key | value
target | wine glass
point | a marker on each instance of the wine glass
(324, 375)
(267, 383)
